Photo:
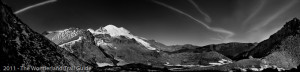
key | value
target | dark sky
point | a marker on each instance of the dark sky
(247, 20)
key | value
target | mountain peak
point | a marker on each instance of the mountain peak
(112, 30)
(115, 31)
(294, 22)
(292, 27)
(295, 19)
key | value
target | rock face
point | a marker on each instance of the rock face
(80, 43)
(124, 46)
(21, 46)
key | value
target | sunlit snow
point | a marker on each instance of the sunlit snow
(115, 32)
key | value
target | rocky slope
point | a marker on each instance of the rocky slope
(80, 43)
(282, 48)
(21, 46)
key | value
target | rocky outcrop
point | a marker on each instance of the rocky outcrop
(289, 30)
(281, 49)
(21, 46)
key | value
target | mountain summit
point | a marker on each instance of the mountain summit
(116, 32)
(290, 29)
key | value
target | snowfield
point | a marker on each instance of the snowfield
(116, 32)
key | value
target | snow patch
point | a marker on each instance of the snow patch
(262, 67)
(271, 66)
(168, 64)
(17, 41)
(101, 42)
(24, 32)
(192, 65)
(121, 62)
(65, 35)
(95, 32)
(68, 45)
(221, 62)
(116, 32)
(103, 64)
(255, 69)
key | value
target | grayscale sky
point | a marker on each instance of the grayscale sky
(197, 22)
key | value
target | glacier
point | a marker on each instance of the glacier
(120, 31)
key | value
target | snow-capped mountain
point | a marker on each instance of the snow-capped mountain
(81, 43)
(114, 31)
(120, 45)
(107, 42)
(112, 48)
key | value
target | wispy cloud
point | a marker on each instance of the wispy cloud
(207, 17)
(35, 5)
(215, 29)
(259, 7)
(221, 39)
(274, 16)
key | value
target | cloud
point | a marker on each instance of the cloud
(274, 16)
(33, 6)
(261, 5)
(259, 36)
(207, 17)
(215, 29)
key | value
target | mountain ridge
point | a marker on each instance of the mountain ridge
(234, 51)
(115, 48)
(21, 46)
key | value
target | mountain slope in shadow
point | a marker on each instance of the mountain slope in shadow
(21, 46)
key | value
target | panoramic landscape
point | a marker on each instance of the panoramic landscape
(150, 35)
